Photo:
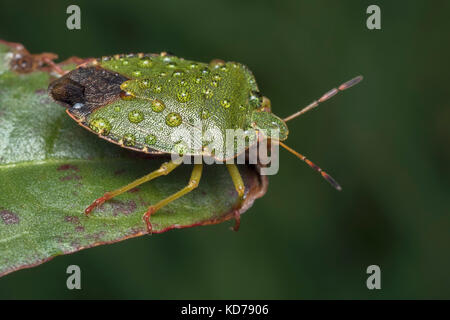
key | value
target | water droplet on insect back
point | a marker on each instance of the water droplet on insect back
(225, 103)
(135, 116)
(126, 95)
(207, 93)
(158, 105)
(177, 73)
(145, 62)
(173, 119)
(101, 126)
(150, 139)
(205, 114)
(183, 96)
(129, 139)
(145, 83)
(255, 99)
(157, 89)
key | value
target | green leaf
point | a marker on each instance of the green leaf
(51, 169)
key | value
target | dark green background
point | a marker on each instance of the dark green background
(386, 141)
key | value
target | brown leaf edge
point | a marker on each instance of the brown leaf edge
(25, 62)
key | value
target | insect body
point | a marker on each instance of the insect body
(148, 103)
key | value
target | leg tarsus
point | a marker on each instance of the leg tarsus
(97, 203)
(237, 220)
(146, 218)
(240, 189)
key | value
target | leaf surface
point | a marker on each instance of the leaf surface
(51, 169)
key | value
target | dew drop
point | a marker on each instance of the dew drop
(216, 63)
(205, 114)
(217, 77)
(183, 96)
(157, 89)
(225, 103)
(137, 73)
(215, 83)
(125, 85)
(158, 105)
(162, 74)
(171, 64)
(205, 70)
(126, 95)
(135, 116)
(145, 83)
(198, 80)
(177, 73)
(129, 139)
(145, 62)
(193, 65)
(255, 99)
(180, 148)
(125, 62)
(78, 106)
(207, 93)
(150, 139)
(173, 119)
(101, 126)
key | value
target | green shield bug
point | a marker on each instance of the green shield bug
(139, 101)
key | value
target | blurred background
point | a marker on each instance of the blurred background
(386, 141)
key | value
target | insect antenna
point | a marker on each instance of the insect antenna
(325, 97)
(325, 175)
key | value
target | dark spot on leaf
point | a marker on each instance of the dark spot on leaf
(135, 230)
(120, 207)
(95, 236)
(70, 177)
(75, 244)
(72, 219)
(9, 217)
(40, 91)
(134, 190)
(67, 167)
(119, 172)
(79, 229)
(143, 202)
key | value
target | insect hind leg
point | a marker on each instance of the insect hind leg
(165, 169)
(192, 184)
(240, 189)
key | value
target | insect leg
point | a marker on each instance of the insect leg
(192, 184)
(240, 188)
(165, 169)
